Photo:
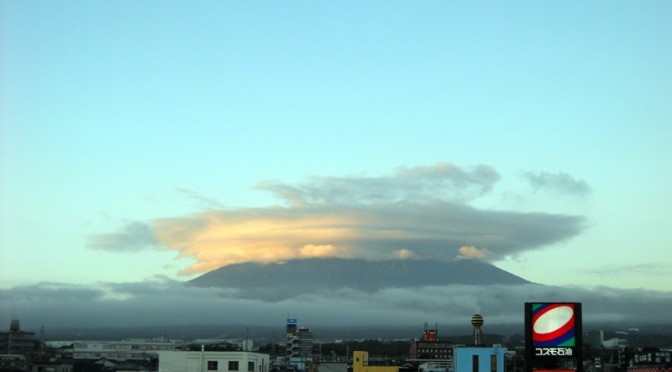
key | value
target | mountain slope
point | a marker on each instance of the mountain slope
(320, 275)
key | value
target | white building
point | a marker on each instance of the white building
(119, 350)
(248, 345)
(614, 342)
(205, 361)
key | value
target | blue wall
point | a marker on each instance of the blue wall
(464, 358)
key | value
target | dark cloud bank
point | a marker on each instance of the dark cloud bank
(161, 303)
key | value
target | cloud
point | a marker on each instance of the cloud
(471, 252)
(557, 181)
(48, 292)
(372, 232)
(405, 254)
(647, 269)
(443, 181)
(423, 210)
(132, 237)
(158, 303)
(202, 201)
(312, 250)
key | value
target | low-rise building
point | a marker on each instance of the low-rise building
(360, 363)
(53, 366)
(652, 358)
(13, 363)
(479, 359)
(119, 350)
(209, 361)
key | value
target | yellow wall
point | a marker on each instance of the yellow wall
(360, 363)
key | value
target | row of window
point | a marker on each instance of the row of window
(233, 365)
(123, 347)
(54, 369)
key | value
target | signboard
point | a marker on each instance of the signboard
(553, 336)
(292, 324)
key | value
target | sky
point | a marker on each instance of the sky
(150, 141)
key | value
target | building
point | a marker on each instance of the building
(360, 363)
(614, 342)
(16, 341)
(652, 360)
(299, 345)
(222, 361)
(479, 359)
(13, 363)
(53, 366)
(18, 347)
(119, 350)
(247, 345)
(430, 348)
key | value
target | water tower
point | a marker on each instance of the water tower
(477, 322)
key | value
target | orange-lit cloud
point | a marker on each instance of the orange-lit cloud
(215, 239)
(328, 250)
(404, 254)
(471, 252)
(443, 231)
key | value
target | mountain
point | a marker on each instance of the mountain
(296, 277)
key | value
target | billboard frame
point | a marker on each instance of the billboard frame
(539, 358)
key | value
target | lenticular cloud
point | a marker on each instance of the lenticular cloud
(414, 213)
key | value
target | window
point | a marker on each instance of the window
(233, 365)
(250, 366)
(212, 365)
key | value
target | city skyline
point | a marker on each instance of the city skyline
(138, 148)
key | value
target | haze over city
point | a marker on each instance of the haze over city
(143, 144)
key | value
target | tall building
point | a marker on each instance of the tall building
(19, 343)
(291, 341)
(299, 345)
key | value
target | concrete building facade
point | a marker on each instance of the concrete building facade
(479, 359)
(360, 363)
(119, 350)
(429, 347)
(16, 341)
(212, 361)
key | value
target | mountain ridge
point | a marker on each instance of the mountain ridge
(312, 275)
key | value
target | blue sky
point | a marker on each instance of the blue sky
(132, 134)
